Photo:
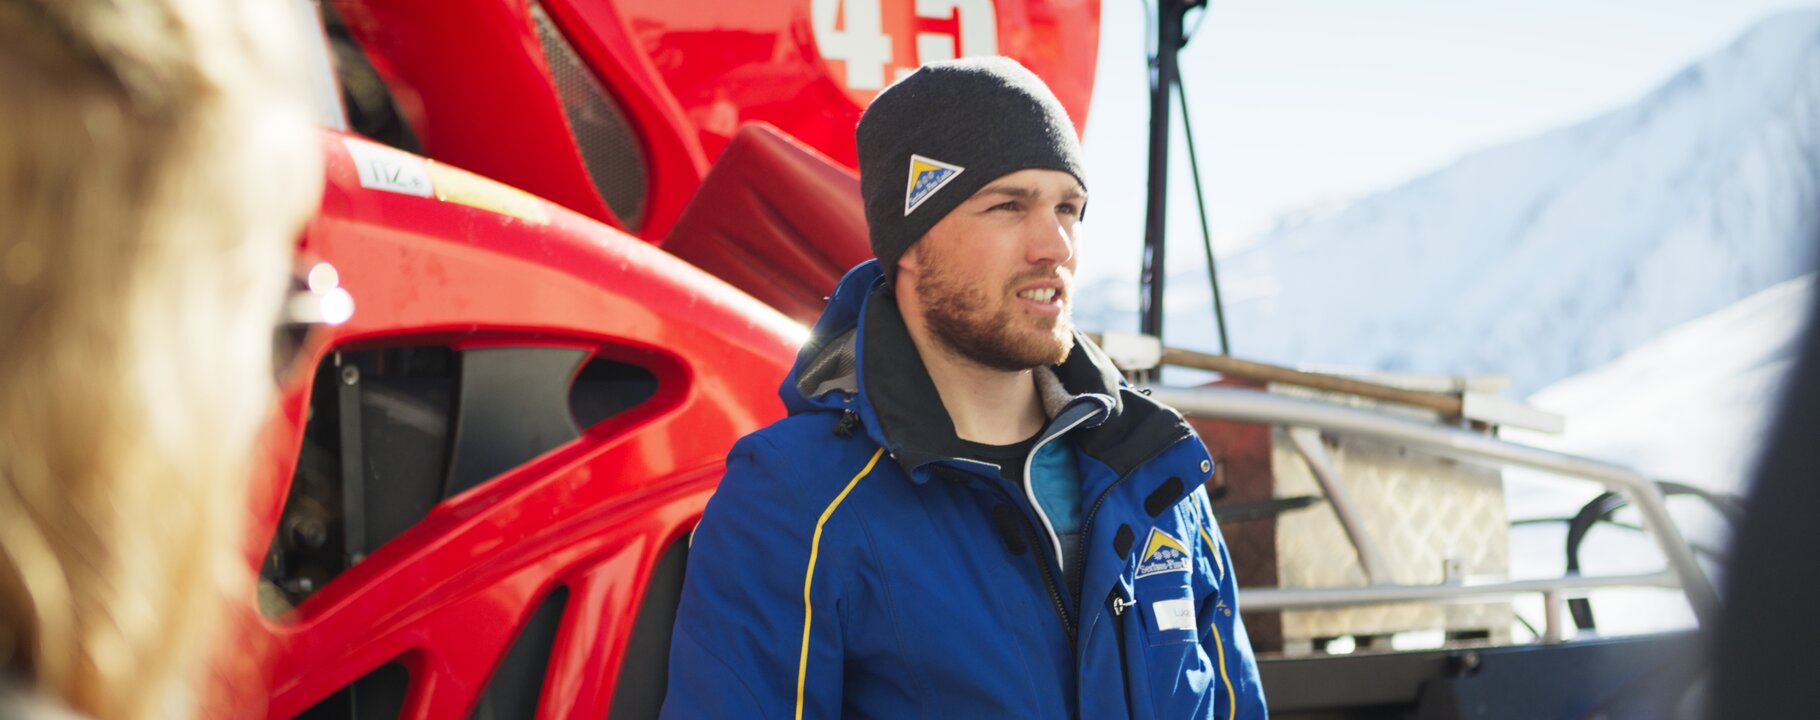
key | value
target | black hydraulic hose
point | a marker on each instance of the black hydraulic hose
(1700, 551)
(1200, 201)
(1602, 507)
(1259, 509)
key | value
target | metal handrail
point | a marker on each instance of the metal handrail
(1262, 407)
(1305, 598)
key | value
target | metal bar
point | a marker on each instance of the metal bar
(1447, 404)
(1237, 512)
(353, 468)
(1254, 406)
(1552, 630)
(1200, 203)
(1307, 441)
(1163, 75)
(1266, 599)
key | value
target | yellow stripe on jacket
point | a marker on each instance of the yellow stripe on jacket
(802, 664)
(1219, 644)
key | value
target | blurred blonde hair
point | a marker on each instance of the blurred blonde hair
(156, 164)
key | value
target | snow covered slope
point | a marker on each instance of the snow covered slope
(1550, 256)
(1690, 405)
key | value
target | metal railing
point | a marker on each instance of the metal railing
(1305, 419)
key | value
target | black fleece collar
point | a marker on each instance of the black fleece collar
(918, 430)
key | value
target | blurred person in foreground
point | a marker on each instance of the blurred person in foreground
(1762, 644)
(156, 164)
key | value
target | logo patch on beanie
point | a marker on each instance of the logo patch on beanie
(927, 175)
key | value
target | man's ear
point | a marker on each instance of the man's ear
(911, 260)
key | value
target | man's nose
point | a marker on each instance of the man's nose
(1051, 240)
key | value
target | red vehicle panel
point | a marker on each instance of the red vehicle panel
(446, 596)
(810, 66)
(489, 84)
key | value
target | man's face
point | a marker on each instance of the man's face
(994, 280)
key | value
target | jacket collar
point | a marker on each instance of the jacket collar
(860, 358)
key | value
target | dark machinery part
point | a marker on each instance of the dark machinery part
(1259, 509)
(1633, 678)
(1601, 509)
(1163, 76)
(395, 431)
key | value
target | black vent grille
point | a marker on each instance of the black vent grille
(612, 152)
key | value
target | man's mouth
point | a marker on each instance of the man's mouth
(1044, 298)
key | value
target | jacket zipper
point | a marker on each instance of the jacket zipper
(1087, 522)
(1049, 581)
(1055, 593)
(1055, 541)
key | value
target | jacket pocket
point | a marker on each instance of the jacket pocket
(1170, 666)
(1165, 604)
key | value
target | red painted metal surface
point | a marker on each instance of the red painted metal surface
(777, 220)
(731, 61)
(447, 597)
(467, 75)
(471, 77)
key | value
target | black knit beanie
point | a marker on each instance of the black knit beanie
(931, 140)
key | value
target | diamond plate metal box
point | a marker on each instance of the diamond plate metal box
(1424, 512)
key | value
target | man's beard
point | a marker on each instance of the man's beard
(964, 320)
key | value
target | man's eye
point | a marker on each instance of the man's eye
(1007, 205)
(1068, 209)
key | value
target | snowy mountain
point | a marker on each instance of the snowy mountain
(1546, 257)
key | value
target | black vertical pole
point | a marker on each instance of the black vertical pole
(1200, 202)
(1162, 79)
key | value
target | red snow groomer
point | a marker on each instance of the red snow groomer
(583, 240)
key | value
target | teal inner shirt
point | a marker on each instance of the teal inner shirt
(1055, 480)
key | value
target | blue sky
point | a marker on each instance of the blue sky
(1308, 103)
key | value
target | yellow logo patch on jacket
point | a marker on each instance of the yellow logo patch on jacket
(1162, 554)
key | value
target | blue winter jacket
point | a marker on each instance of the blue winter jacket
(853, 564)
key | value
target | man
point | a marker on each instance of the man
(965, 514)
